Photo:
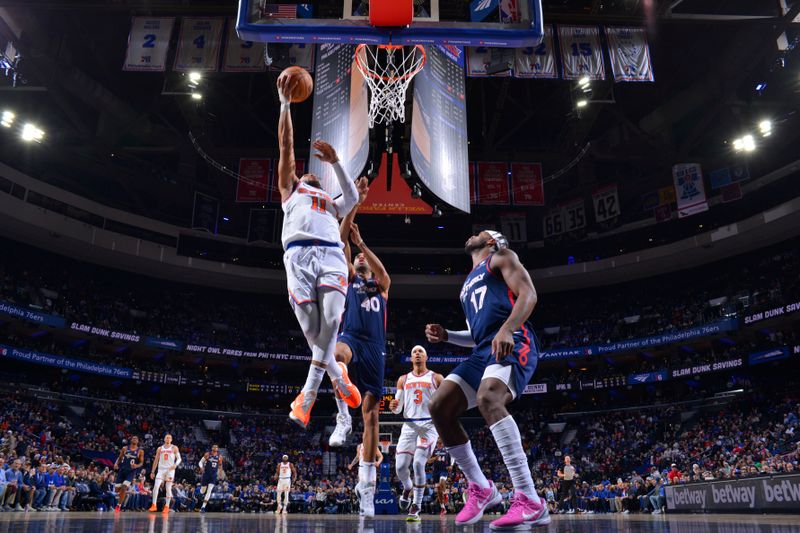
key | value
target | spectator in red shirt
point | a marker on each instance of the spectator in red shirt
(674, 474)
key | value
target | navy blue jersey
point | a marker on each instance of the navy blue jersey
(211, 468)
(130, 456)
(487, 303)
(365, 311)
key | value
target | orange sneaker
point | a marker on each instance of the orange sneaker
(301, 408)
(165, 510)
(345, 389)
(152, 509)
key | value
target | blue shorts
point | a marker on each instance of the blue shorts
(367, 366)
(125, 475)
(209, 480)
(516, 370)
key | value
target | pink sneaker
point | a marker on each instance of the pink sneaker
(478, 500)
(523, 514)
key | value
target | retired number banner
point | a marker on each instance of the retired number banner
(581, 52)
(526, 184)
(689, 189)
(630, 54)
(538, 62)
(606, 203)
(242, 56)
(493, 184)
(198, 45)
(253, 184)
(480, 57)
(148, 44)
(300, 55)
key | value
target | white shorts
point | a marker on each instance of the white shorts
(420, 435)
(309, 268)
(165, 475)
(284, 485)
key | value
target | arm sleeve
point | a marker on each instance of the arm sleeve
(202, 463)
(460, 338)
(347, 201)
(399, 397)
(178, 459)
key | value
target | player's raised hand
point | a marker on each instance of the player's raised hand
(355, 235)
(326, 154)
(286, 84)
(502, 344)
(435, 333)
(362, 185)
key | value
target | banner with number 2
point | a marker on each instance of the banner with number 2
(199, 43)
(148, 44)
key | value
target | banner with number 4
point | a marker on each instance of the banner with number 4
(148, 44)
(198, 45)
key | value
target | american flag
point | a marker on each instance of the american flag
(279, 11)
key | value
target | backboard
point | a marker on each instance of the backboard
(345, 22)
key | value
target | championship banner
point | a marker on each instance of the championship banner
(274, 193)
(539, 62)
(527, 187)
(689, 189)
(630, 54)
(298, 55)
(148, 44)
(253, 182)
(493, 184)
(480, 59)
(581, 52)
(242, 56)
(262, 225)
(729, 175)
(198, 44)
(606, 203)
(205, 213)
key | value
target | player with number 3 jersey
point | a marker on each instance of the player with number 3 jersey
(498, 296)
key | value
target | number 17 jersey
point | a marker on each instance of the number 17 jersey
(487, 302)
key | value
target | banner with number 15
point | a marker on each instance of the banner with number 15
(148, 44)
(198, 45)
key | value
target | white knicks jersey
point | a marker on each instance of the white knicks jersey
(285, 471)
(309, 214)
(417, 394)
(167, 457)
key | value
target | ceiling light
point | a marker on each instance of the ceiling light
(584, 81)
(31, 133)
(765, 126)
(582, 103)
(748, 143)
(197, 96)
(195, 76)
(7, 119)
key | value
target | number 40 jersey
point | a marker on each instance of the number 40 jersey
(365, 311)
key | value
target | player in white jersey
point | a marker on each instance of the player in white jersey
(418, 436)
(316, 269)
(285, 473)
(168, 457)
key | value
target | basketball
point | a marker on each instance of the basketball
(305, 85)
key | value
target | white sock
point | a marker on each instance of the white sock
(156, 488)
(418, 495)
(366, 473)
(314, 379)
(509, 442)
(468, 463)
(402, 464)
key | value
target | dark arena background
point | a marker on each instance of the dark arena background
(623, 175)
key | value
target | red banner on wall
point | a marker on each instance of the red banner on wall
(254, 181)
(274, 193)
(398, 201)
(493, 184)
(526, 184)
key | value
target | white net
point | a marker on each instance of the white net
(388, 71)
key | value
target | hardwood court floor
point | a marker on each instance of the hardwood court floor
(267, 523)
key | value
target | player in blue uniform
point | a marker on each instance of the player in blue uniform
(211, 467)
(362, 344)
(498, 296)
(130, 460)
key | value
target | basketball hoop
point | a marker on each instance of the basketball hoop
(388, 70)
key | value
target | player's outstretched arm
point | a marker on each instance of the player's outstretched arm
(520, 283)
(396, 405)
(286, 163)
(379, 271)
(121, 455)
(362, 185)
(178, 459)
(155, 464)
(141, 460)
(347, 201)
(436, 333)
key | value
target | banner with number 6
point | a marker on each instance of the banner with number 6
(198, 45)
(148, 44)
(581, 52)
(606, 203)
(242, 56)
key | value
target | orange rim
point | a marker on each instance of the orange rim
(364, 69)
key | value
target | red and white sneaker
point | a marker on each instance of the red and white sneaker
(478, 500)
(346, 390)
(301, 408)
(522, 514)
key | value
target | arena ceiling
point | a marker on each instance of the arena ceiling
(122, 138)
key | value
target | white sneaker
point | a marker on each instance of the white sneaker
(344, 426)
(626, 512)
(571, 511)
(657, 511)
(367, 501)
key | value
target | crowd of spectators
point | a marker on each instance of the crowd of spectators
(51, 455)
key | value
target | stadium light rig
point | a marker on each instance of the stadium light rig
(31, 133)
(582, 103)
(7, 119)
(765, 127)
(197, 96)
(746, 143)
